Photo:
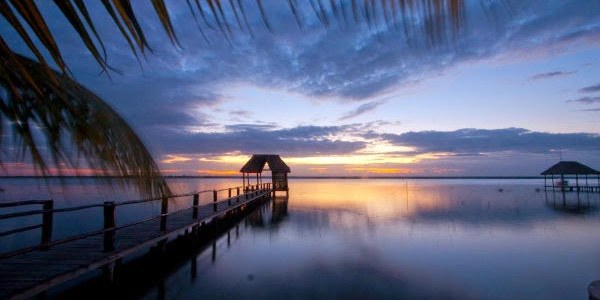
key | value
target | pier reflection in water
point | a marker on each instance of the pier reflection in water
(572, 202)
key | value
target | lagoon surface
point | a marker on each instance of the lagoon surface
(367, 238)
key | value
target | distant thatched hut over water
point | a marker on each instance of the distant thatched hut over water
(277, 166)
(571, 168)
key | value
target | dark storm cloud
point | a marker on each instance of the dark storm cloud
(303, 140)
(549, 75)
(363, 108)
(590, 89)
(464, 141)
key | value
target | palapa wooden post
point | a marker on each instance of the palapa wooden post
(195, 205)
(47, 217)
(109, 226)
(215, 200)
(164, 209)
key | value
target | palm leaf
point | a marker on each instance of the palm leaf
(74, 122)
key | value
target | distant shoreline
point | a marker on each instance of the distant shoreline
(290, 177)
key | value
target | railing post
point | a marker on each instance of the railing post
(164, 210)
(109, 226)
(47, 223)
(229, 195)
(195, 205)
(215, 200)
(238, 190)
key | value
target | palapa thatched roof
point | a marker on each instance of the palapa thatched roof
(256, 164)
(569, 168)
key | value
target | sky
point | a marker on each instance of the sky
(513, 91)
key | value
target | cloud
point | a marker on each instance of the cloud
(347, 60)
(549, 75)
(178, 88)
(241, 113)
(465, 141)
(363, 108)
(590, 89)
(591, 109)
(586, 100)
(301, 140)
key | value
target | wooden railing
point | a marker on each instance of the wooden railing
(109, 215)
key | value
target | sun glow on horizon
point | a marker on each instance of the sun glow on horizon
(172, 158)
(218, 172)
(379, 159)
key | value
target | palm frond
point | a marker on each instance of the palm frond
(72, 120)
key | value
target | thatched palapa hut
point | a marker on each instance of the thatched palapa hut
(571, 168)
(278, 168)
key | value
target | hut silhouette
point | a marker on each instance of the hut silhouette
(571, 168)
(278, 168)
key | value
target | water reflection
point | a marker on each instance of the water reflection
(414, 240)
(270, 214)
(420, 239)
(572, 202)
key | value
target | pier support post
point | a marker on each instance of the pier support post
(215, 200)
(109, 226)
(195, 205)
(48, 206)
(164, 210)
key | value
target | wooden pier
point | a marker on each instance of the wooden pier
(27, 272)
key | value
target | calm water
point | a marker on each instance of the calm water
(358, 239)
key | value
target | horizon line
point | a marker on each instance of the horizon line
(297, 177)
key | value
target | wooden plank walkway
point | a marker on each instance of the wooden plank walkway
(28, 274)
